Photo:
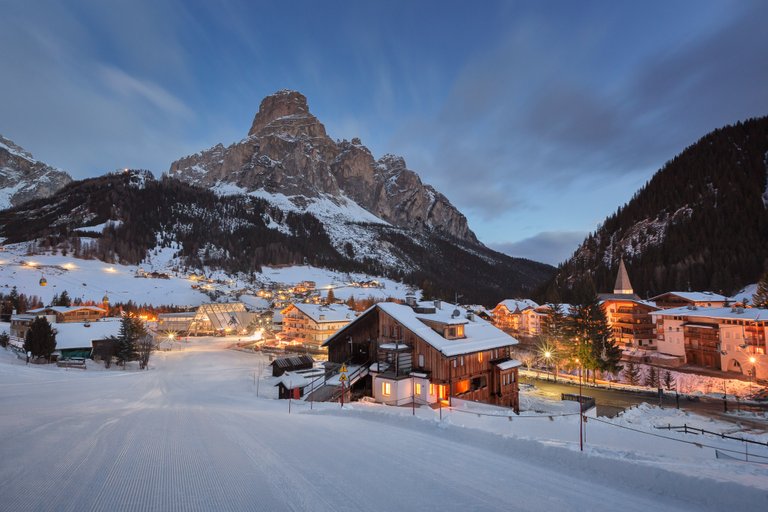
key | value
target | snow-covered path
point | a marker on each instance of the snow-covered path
(190, 434)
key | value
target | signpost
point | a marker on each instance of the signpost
(343, 379)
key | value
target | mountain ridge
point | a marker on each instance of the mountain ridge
(22, 177)
(701, 222)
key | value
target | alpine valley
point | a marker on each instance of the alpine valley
(286, 194)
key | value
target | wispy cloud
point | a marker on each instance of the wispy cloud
(128, 86)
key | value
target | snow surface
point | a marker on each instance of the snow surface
(92, 279)
(192, 434)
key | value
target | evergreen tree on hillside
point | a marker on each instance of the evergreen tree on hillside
(760, 298)
(131, 331)
(651, 378)
(40, 339)
(631, 373)
(668, 379)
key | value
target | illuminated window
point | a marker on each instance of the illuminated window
(417, 388)
(431, 389)
(386, 388)
(479, 357)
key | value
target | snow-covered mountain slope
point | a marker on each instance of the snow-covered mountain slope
(125, 217)
(288, 153)
(91, 280)
(23, 178)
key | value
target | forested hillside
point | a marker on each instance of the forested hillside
(700, 223)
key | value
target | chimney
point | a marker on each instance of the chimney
(470, 316)
(410, 300)
(437, 304)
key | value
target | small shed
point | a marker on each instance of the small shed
(291, 364)
(291, 385)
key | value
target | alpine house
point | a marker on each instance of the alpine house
(425, 353)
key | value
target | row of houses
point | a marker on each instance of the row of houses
(697, 328)
(78, 328)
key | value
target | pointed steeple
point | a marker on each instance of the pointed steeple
(622, 286)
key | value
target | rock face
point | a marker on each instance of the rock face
(287, 151)
(23, 178)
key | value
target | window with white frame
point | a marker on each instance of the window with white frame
(386, 388)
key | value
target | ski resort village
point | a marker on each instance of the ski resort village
(212, 393)
(384, 256)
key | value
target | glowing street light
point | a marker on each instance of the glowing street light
(752, 361)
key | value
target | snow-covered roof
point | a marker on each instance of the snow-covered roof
(293, 380)
(326, 313)
(508, 365)
(696, 296)
(750, 314)
(66, 309)
(77, 335)
(479, 334)
(604, 297)
(517, 304)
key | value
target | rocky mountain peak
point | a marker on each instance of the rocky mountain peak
(288, 152)
(23, 178)
(286, 112)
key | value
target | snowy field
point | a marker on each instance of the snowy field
(93, 279)
(192, 434)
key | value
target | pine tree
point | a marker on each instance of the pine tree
(14, 298)
(631, 373)
(40, 339)
(669, 380)
(64, 299)
(651, 378)
(760, 298)
(330, 298)
(131, 330)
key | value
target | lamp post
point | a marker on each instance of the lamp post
(581, 419)
(548, 357)
(752, 361)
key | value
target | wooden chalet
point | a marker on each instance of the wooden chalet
(426, 352)
(291, 364)
(66, 314)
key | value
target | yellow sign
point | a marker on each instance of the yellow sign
(343, 368)
(343, 377)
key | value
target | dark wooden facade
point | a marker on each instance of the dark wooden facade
(471, 376)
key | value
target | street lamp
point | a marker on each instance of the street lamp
(548, 358)
(581, 419)
(752, 361)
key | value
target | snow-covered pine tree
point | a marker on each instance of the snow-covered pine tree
(651, 377)
(631, 373)
(668, 379)
(760, 298)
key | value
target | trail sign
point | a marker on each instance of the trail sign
(343, 368)
(343, 377)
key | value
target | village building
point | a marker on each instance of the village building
(216, 318)
(727, 339)
(291, 364)
(309, 325)
(628, 315)
(73, 339)
(426, 352)
(508, 314)
(533, 320)
(71, 313)
(671, 300)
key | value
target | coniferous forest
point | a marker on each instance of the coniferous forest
(238, 234)
(700, 223)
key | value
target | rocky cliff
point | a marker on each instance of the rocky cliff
(288, 152)
(23, 178)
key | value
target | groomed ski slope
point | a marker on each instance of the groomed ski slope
(191, 434)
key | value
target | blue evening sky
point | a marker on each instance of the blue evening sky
(536, 119)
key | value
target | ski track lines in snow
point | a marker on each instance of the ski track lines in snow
(189, 434)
